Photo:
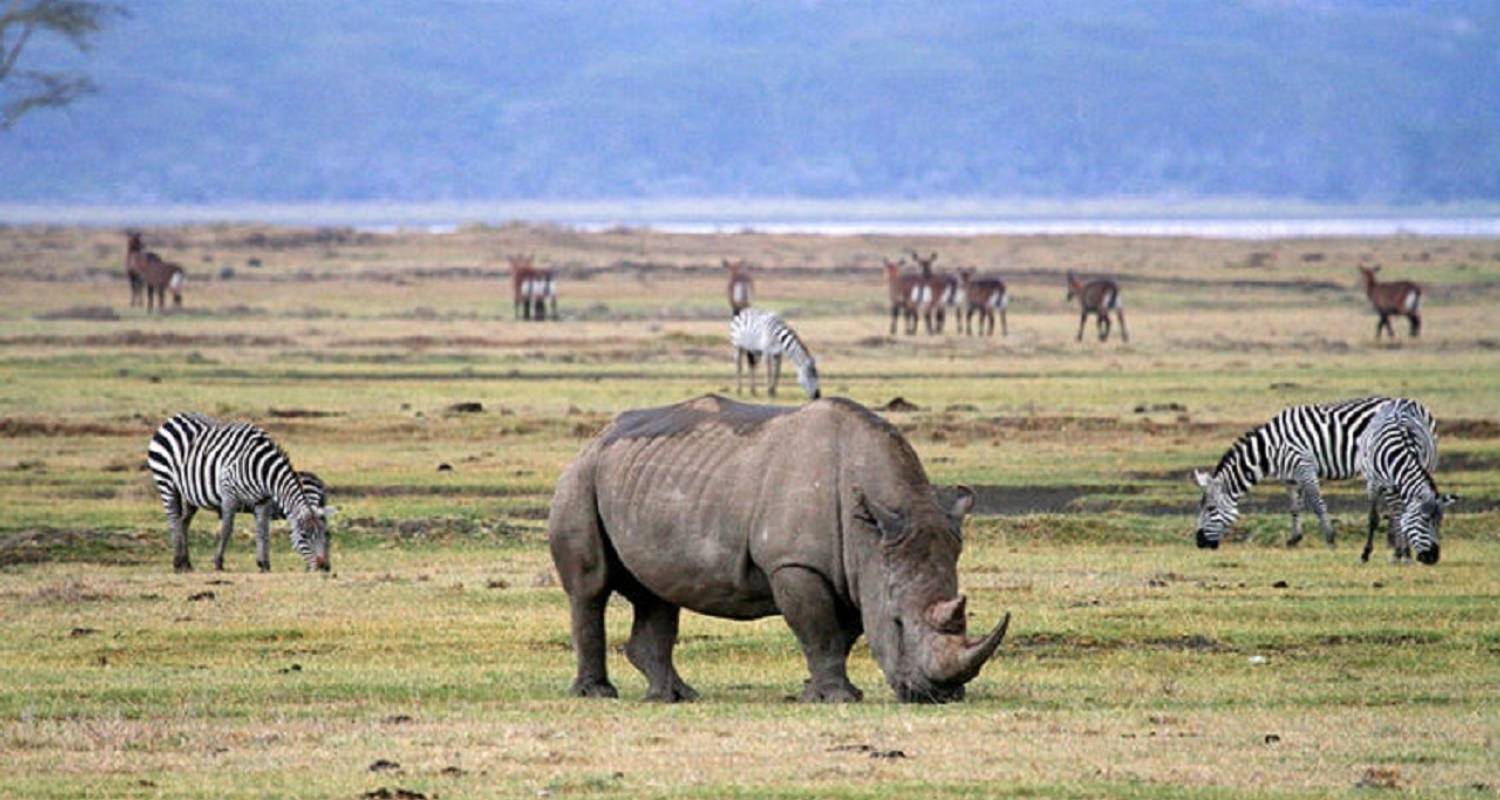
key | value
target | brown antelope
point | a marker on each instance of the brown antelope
(160, 276)
(938, 292)
(532, 288)
(1397, 298)
(741, 286)
(1099, 297)
(904, 289)
(983, 296)
(135, 258)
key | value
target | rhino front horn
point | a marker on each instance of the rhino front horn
(964, 663)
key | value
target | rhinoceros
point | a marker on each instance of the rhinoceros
(822, 514)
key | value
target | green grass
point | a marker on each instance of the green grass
(1137, 666)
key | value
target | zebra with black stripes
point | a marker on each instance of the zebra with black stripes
(756, 333)
(1298, 446)
(1397, 457)
(200, 462)
(317, 494)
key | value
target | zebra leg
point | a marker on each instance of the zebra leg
(263, 537)
(226, 530)
(773, 374)
(1364, 555)
(750, 360)
(1311, 496)
(652, 638)
(1082, 320)
(811, 611)
(180, 522)
(1124, 334)
(1296, 499)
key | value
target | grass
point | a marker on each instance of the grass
(1137, 665)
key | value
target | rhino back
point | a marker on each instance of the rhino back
(702, 501)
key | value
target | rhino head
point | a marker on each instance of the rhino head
(913, 615)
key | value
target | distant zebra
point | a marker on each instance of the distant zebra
(756, 333)
(1099, 297)
(1298, 446)
(741, 286)
(1397, 456)
(200, 462)
(985, 297)
(1393, 299)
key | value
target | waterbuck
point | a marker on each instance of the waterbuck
(1099, 297)
(1396, 298)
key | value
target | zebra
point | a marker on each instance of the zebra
(758, 333)
(200, 462)
(1398, 453)
(317, 494)
(1298, 446)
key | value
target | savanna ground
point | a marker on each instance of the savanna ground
(435, 659)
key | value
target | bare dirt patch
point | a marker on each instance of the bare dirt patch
(148, 340)
(1469, 428)
(18, 427)
(39, 545)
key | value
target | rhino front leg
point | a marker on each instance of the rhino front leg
(652, 638)
(809, 606)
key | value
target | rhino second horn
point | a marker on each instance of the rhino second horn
(948, 616)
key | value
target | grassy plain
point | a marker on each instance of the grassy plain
(1138, 666)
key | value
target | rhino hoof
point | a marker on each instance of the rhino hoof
(593, 689)
(678, 692)
(836, 693)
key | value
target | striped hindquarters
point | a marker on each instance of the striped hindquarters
(1327, 435)
(202, 462)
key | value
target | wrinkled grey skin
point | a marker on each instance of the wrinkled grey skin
(821, 514)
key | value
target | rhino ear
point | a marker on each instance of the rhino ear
(962, 504)
(889, 522)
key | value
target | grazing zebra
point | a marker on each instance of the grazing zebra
(160, 276)
(1394, 299)
(983, 296)
(756, 333)
(135, 258)
(741, 286)
(1297, 446)
(906, 293)
(200, 462)
(317, 494)
(1099, 297)
(1397, 456)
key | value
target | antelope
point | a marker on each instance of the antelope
(1099, 297)
(905, 292)
(160, 276)
(135, 257)
(939, 292)
(983, 296)
(1397, 298)
(741, 286)
(532, 288)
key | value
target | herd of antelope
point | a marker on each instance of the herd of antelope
(923, 297)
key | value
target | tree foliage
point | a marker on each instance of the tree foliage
(24, 90)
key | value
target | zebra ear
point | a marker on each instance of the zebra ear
(1447, 500)
(1201, 478)
(328, 511)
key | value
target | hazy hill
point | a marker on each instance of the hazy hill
(285, 100)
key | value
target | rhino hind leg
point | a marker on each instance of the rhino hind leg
(584, 562)
(652, 638)
(811, 610)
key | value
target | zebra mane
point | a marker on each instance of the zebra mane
(1238, 451)
(1410, 443)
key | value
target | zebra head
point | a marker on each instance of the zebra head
(1217, 511)
(1420, 523)
(310, 537)
(807, 375)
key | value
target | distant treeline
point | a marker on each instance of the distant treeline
(266, 100)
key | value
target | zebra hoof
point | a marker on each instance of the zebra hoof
(1294, 541)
